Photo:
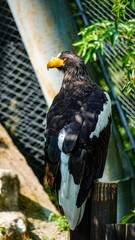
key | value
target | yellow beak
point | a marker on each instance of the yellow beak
(55, 62)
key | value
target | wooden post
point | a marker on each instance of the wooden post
(103, 208)
(130, 231)
(100, 210)
(120, 231)
(115, 231)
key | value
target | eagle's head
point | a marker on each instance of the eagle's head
(66, 61)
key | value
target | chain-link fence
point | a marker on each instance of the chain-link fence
(96, 11)
(22, 103)
(90, 12)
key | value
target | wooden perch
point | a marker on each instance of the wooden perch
(101, 209)
(120, 231)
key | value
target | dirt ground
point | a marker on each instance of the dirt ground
(33, 201)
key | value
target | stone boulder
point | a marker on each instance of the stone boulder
(12, 221)
(13, 224)
(30, 188)
(24, 205)
(9, 190)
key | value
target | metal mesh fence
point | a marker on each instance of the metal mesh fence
(97, 11)
(22, 103)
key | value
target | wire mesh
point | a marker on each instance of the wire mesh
(22, 104)
(97, 11)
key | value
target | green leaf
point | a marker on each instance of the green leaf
(124, 27)
(87, 56)
(116, 22)
(88, 33)
(45, 238)
(115, 7)
(3, 232)
(84, 29)
(132, 4)
(114, 38)
(109, 30)
(91, 45)
(84, 51)
(125, 59)
(123, 12)
(94, 56)
(79, 50)
(128, 91)
(101, 48)
(131, 20)
(50, 216)
(78, 42)
(132, 53)
(125, 219)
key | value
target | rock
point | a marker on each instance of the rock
(47, 229)
(9, 190)
(31, 200)
(30, 187)
(14, 224)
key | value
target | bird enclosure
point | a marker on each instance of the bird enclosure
(23, 106)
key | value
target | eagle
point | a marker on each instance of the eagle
(76, 136)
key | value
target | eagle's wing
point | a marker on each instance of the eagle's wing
(86, 140)
(55, 122)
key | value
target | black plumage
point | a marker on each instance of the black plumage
(76, 108)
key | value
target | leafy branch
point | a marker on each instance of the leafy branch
(60, 221)
(119, 8)
(94, 37)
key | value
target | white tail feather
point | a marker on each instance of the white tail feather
(68, 195)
